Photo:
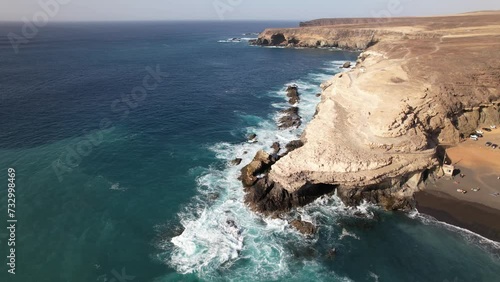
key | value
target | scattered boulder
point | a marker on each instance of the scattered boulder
(293, 145)
(231, 223)
(174, 231)
(236, 161)
(292, 92)
(276, 147)
(346, 65)
(318, 95)
(213, 196)
(304, 227)
(252, 138)
(260, 164)
(290, 118)
(391, 201)
(332, 253)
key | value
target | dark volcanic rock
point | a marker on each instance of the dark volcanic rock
(332, 253)
(292, 92)
(276, 147)
(270, 198)
(213, 196)
(293, 145)
(304, 227)
(252, 137)
(236, 161)
(291, 111)
(290, 118)
(346, 65)
(387, 198)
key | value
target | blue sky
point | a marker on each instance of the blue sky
(99, 10)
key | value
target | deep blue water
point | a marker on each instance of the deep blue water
(108, 182)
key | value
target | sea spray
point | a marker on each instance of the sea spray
(225, 232)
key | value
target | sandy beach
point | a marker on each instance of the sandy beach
(477, 211)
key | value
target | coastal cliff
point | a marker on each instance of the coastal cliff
(420, 83)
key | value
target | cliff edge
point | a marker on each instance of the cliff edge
(420, 83)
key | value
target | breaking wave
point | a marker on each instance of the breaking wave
(486, 244)
(221, 232)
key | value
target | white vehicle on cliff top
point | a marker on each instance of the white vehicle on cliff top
(474, 137)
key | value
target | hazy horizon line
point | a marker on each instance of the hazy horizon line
(241, 20)
(162, 20)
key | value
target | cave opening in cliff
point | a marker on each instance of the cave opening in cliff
(277, 39)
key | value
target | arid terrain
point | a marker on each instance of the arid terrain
(477, 172)
(419, 84)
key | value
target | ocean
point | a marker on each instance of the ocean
(122, 134)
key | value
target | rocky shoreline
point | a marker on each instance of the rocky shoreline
(417, 86)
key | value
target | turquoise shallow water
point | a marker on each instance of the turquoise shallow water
(151, 196)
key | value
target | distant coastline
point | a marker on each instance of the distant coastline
(387, 144)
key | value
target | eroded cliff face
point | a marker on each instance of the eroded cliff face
(321, 37)
(378, 126)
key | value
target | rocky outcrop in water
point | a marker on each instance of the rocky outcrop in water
(236, 161)
(276, 148)
(252, 138)
(292, 92)
(303, 227)
(290, 118)
(267, 197)
(260, 164)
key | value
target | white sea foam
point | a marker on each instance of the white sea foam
(374, 276)
(116, 186)
(346, 233)
(233, 40)
(236, 40)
